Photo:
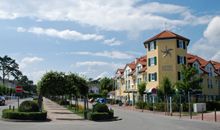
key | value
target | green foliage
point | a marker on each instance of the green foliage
(97, 116)
(28, 106)
(141, 89)
(100, 108)
(106, 84)
(10, 114)
(4, 90)
(8, 66)
(94, 95)
(210, 106)
(166, 87)
(190, 80)
(141, 105)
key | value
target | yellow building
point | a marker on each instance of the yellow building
(166, 53)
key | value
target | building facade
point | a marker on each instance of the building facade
(165, 54)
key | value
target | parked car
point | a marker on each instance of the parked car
(101, 100)
(2, 100)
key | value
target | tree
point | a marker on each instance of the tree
(28, 85)
(106, 85)
(189, 80)
(52, 83)
(8, 66)
(166, 87)
(141, 89)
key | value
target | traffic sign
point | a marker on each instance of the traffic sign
(19, 89)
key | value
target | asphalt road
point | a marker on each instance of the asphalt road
(130, 120)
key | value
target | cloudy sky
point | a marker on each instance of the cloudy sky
(95, 37)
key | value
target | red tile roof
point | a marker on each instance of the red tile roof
(166, 35)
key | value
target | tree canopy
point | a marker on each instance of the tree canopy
(190, 80)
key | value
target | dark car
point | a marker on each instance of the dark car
(2, 100)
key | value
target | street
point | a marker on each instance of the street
(129, 120)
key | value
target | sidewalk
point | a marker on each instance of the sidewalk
(206, 116)
(55, 112)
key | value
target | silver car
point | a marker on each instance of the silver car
(2, 100)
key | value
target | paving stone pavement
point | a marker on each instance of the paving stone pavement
(56, 112)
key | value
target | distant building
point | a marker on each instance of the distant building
(166, 53)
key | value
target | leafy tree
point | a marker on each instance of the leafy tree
(166, 87)
(52, 83)
(27, 84)
(189, 80)
(141, 89)
(106, 85)
(8, 66)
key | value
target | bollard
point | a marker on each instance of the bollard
(9, 107)
(215, 115)
(13, 108)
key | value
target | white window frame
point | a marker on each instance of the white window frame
(152, 61)
(181, 42)
(181, 59)
(151, 46)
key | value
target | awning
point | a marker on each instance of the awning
(151, 91)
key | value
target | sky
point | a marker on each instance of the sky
(95, 37)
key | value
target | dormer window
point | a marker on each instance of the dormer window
(152, 46)
(210, 72)
(181, 44)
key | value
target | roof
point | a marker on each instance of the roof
(166, 35)
(192, 58)
(120, 70)
(216, 64)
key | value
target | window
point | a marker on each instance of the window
(138, 68)
(210, 71)
(138, 80)
(181, 59)
(152, 46)
(128, 84)
(152, 61)
(209, 83)
(152, 77)
(181, 44)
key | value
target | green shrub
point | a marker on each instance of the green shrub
(10, 114)
(94, 95)
(63, 102)
(100, 108)
(141, 105)
(97, 116)
(210, 106)
(28, 106)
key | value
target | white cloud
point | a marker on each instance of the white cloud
(116, 15)
(208, 45)
(29, 60)
(69, 35)
(96, 69)
(112, 42)
(64, 34)
(109, 54)
(91, 63)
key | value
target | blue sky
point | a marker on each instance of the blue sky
(96, 37)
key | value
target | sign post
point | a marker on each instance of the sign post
(18, 90)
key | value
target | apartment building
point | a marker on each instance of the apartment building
(165, 54)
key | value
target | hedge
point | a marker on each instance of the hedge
(10, 114)
(211, 106)
(28, 106)
(100, 108)
(97, 116)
